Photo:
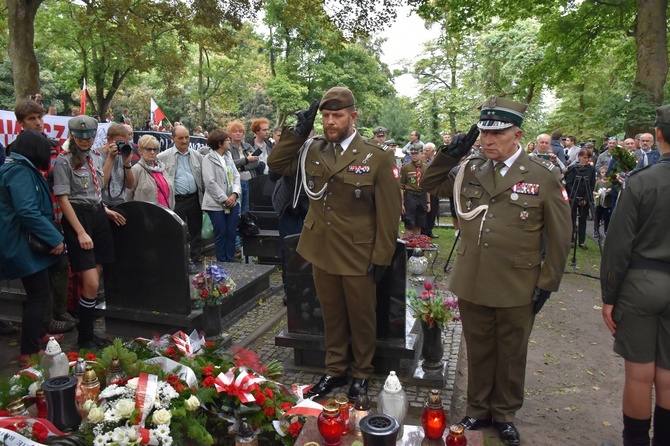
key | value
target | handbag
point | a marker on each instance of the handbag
(37, 245)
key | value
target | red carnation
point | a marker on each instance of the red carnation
(260, 398)
(40, 432)
(90, 357)
(224, 289)
(295, 428)
(427, 285)
(269, 411)
(210, 344)
(72, 356)
(208, 370)
(269, 392)
(208, 382)
(204, 294)
(170, 351)
(285, 406)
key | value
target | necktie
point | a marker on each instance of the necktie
(497, 176)
(646, 160)
(337, 150)
(95, 176)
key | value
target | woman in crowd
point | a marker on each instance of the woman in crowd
(26, 209)
(245, 162)
(152, 183)
(78, 182)
(222, 192)
(580, 180)
(530, 147)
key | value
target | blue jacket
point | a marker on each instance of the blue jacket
(653, 156)
(25, 207)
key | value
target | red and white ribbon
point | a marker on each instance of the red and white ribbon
(145, 395)
(306, 407)
(53, 430)
(241, 387)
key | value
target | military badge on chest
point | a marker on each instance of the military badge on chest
(524, 188)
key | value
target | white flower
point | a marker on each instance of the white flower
(162, 416)
(124, 407)
(119, 435)
(96, 415)
(13, 380)
(100, 440)
(161, 431)
(132, 383)
(32, 389)
(16, 390)
(112, 391)
(192, 403)
(88, 405)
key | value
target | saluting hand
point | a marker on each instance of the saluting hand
(306, 120)
(461, 144)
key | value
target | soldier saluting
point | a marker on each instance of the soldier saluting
(504, 200)
(350, 231)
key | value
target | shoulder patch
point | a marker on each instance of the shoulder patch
(542, 162)
(375, 143)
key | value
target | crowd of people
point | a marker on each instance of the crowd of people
(511, 206)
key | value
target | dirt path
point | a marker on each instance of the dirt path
(573, 379)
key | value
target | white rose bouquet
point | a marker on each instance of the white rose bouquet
(139, 412)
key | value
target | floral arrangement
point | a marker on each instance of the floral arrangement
(213, 284)
(417, 241)
(30, 429)
(432, 306)
(625, 162)
(202, 392)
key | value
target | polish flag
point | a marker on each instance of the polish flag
(82, 101)
(157, 114)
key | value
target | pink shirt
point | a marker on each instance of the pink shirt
(162, 189)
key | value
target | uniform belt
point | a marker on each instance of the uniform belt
(184, 197)
(654, 265)
(415, 192)
(86, 207)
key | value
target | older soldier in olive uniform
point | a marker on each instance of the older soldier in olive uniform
(635, 279)
(505, 200)
(415, 201)
(350, 231)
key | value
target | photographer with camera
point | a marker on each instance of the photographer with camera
(580, 179)
(116, 155)
(543, 150)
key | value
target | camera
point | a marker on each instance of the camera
(124, 148)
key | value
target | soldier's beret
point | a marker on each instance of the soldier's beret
(337, 98)
(663, 116)
(500, 113)
(83, 126)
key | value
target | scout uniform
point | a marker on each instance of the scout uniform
(499, 262)
(352, 223)
(414, 197)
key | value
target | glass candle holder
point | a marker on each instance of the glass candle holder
(433, 419)
(330, 425)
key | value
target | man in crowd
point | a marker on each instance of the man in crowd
(350, 230)
(606, 156)
(184, 165)
(446, 138)
(505, 201)
(557, 146)
(116, 155)
(629, 144)
(415, 201)
(635, 276)
(380, 134)
(434, 201)
(125, 114)
(647, 155)
(414, 138)
(572, 149)
(543, 150)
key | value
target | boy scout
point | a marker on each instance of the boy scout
(350, 230)
(415, 201)
(505, 200)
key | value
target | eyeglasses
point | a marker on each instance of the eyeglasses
(151, 149)
(81, 138)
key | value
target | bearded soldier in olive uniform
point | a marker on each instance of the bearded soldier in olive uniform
(350, 231)
(505, 200)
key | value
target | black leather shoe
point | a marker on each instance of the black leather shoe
(472, 424)
(358, 387)
(325, 385)
(508, 433)
(431, 235)
(583, 246)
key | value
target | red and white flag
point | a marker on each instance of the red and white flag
(157, 114)
(82, 101)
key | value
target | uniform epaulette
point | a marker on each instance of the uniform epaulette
(636, 170)
(543, 162)
(476, 156)
(375, 143)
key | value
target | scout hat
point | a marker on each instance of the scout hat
(83, 126)
(380, 131)
(500, 113)
(337, 98)
(663, 116)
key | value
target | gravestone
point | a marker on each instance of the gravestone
(150, 274)
(265, 245)
(304, 331)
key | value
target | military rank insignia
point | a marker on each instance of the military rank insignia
(564, 194)
(359, 169)
(526, 188)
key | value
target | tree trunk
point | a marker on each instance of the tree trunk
(201, 87)
(21, 18)
(652, 60)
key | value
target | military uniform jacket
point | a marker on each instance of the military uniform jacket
(639, 226)
(499, 260)
(355, 222)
